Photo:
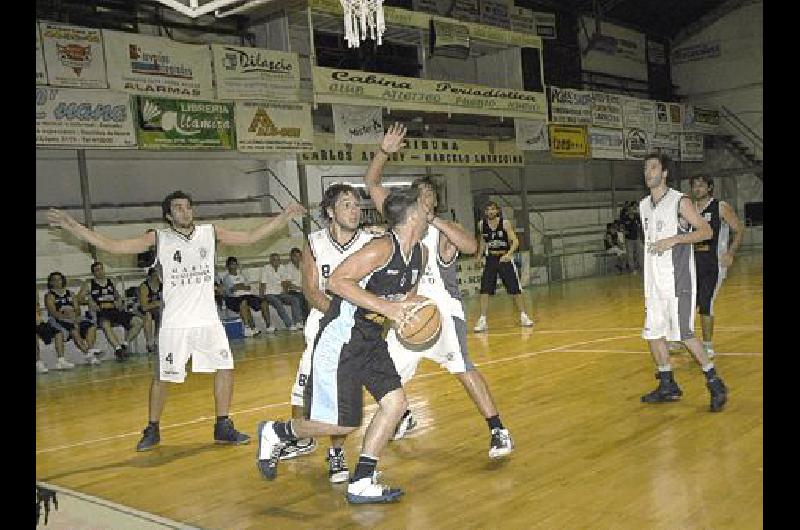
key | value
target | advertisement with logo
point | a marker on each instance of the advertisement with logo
(701, 119)
(692, 147)
(606, 143)
(568, 141)
(545, 24)
(522, 20)
(606, 110)
(532, 135)
(621, 51)
(357, 125)
(669, 117)
(157, 67)
(496, 12)
(667, 144)
(41, 71)
(696, 52)
(570, 106)
(637, 143)
(255, 73)
(269, 127)
(354, 87)
(418, 152)
(73, 55)
(85, 118)
(639, 113)
(179, 124)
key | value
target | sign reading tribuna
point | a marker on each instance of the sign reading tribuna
(354, 87)
(418, 152)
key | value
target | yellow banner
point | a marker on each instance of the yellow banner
(414, 19)
(568, 141)
(353, 87)
(418, 152)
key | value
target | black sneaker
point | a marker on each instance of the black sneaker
(269, 450)
(719, 393)
(151, 438)
(666, 392)
(297, 448)
(224, 433)
(121, 353)
(337, 465)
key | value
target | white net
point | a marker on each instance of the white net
(361, 16)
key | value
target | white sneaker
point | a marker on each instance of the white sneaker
(251, 332)
(501, 443)
(481, 325)
(41, 368)
(524, 321)
(63, 364)
(270, 329)
(96, 351)
(91, 359)
(368, 491)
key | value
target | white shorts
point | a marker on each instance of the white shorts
(206, 345)
(450, 350)
(304, 369)
(669, 318)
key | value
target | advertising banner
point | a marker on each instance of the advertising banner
(418, 152)
(545, 25)
(692, 147)
(696, 52)
(532, 135)
(637, 143)
(570, 106)
(666, 143)
(84, 118)
(669, 117)
(496, 12)
(621, 52)
(357, 125)
(568, 141)
(73, 55)
(639, 113)
(153, 66)
(701, 119)
(607, 143)
(181, 124)
(268, 127)
(607, 110)
(255, 73)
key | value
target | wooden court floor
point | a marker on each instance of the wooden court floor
(588, 453)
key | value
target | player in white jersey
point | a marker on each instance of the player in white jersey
(324, 251)
(439, 282)
(190, 325)
(670, 287)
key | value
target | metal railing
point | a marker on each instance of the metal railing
(743, 130)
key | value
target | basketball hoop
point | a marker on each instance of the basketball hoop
(360, 15)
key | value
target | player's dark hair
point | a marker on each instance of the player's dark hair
(427, 181)
(166, 206)
(664, 160)
(331, 195)
(295, 249)
(705, 178)
(491, 203)
(51, 277)
(231, 259)
(94, 266)
(398, 204)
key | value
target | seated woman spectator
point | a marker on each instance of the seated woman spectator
(65, 316)
(48, 334)
(105, 302)
(239, 299)
(150, 305)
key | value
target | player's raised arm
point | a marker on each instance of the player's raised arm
(455, 237)
(392, 142)
(272, 225)
(61, 219)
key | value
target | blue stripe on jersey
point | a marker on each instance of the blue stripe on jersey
(325, 365)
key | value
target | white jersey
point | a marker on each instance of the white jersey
(672, 272)
(440, 280)
(187, 271)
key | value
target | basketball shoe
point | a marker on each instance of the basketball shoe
(719, 393)
(666, 391)
(269, 450)
(368, 491)
(406, 423)
(337, 465)
(481, 325)
(298, 448)
(224, 433)
(501, 443)
(525, 321)
(151, 438)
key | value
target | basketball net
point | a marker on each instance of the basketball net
(360, 15)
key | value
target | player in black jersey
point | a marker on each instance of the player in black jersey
(48, 334)
(150, 305)
(350, 352)
(497, 245)
(713, 257)
(65, 316)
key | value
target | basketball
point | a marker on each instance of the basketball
(423, 328)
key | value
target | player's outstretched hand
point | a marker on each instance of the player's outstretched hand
(294, 210)
(393, 139)
(60, 219)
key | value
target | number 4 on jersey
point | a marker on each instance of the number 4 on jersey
(168, 358)
(177, 256)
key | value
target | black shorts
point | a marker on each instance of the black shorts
(507, 272)
(333, 392)
(708, 283)
(115, 316)
(46, 332)
(234, 302)
(66, 327)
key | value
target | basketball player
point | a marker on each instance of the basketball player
(350, 352)
(498, 243)
(444, 240)
(325, 249)
(713, 257)
(190, 324)
(669, 281)
(65, 316)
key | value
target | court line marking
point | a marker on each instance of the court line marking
(121, 508)
(717, 354)
(271, 405)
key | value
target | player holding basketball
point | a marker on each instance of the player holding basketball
(669, 281)
(444, 241)
(350, 352)
(190, 325)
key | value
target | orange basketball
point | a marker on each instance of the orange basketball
(424, 326)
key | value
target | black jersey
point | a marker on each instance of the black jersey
(153, 296)
(390, 282)
(104, 296)
(64, 300)
(496, 240)
(706, 253)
